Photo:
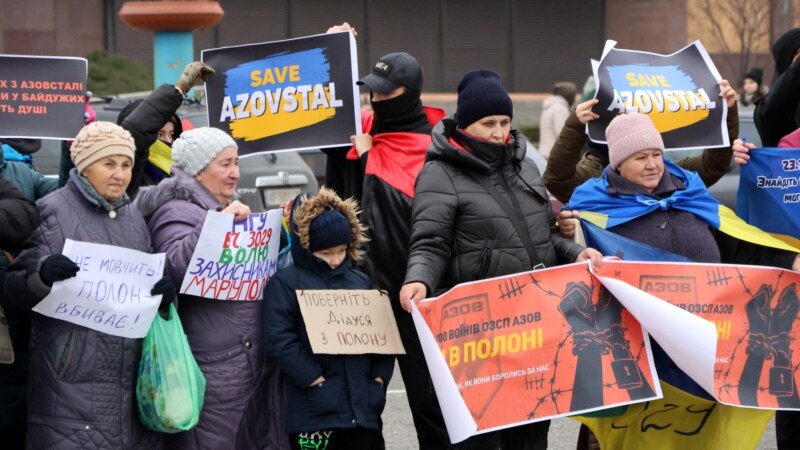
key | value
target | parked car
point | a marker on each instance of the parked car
(266, 180)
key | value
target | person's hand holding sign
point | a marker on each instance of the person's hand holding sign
(727, 92)
(585, 113)
(343, 27)
(362, 143)
(741, 148)
(412, 292)
(239, 210)
(567, 221)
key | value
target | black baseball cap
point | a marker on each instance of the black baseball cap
(392, 71)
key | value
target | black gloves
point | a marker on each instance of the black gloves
(57, 268)
(165, 287)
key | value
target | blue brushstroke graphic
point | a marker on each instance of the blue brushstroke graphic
(314, 69)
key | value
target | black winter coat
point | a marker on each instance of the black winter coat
(459, 232)
(144, 120)
(18, 217)
(776, 115)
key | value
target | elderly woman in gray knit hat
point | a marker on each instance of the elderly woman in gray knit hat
(225, 336)
(83, 381)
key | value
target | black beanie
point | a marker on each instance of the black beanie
(329, 229)
(756, 75)
(784, 48)
(481, 94)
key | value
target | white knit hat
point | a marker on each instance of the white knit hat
(98, 140)
(197, 147)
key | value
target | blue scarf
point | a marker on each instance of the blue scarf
(620, 208)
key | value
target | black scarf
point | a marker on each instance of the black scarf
(402, 113)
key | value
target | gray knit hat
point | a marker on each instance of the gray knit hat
(197, 147)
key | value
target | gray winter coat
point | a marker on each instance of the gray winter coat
(83, 389)
(459, 232)
(225, 336)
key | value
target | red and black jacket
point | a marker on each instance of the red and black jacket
(390, 172)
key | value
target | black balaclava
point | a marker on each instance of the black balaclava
(402, 113)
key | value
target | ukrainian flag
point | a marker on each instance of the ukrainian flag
(680, 421)
(773, 208)
(606, 211)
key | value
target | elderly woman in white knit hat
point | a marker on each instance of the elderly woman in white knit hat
(225, 336)
(82, 394)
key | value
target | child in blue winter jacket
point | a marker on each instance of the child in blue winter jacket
(333, 401)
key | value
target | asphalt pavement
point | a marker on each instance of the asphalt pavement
(399, 434)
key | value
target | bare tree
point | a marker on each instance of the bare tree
(739, 28)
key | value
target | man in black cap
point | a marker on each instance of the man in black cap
(380, 170)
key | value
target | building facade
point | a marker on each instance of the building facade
(530, 43)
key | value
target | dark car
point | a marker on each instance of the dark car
(266, 180)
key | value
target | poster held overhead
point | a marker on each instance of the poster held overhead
(42, 97)
(286, 95)
(679, 92)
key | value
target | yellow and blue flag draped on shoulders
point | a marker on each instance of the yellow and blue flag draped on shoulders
(607, 211)
(680, 420)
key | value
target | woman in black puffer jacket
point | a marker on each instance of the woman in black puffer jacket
(473, 194)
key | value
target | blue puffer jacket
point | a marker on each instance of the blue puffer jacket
(350, 396)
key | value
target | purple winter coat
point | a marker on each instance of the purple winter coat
(82, 389)
(225, 336)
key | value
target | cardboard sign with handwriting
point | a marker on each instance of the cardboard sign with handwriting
(350, 322)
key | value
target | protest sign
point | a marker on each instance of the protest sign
(291, 94)
(233, 260)
(529, 347)
(110, 293)
(350, 322)
(679, 92)
(561, 341)
(753, 311)
(42, 97)
(769, 191)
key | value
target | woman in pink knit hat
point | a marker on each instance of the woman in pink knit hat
(651, 200)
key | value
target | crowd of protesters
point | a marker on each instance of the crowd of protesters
(421, 202)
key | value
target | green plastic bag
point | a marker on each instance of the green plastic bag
(171, 388)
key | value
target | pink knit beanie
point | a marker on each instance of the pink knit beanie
(628, 134)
